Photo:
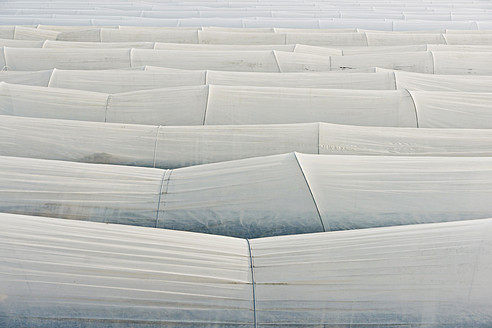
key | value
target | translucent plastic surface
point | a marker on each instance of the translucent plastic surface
(98, 274)
(266, 196)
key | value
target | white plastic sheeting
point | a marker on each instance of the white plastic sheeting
(102, 275)
(116, 81)
(212, 105)
(427, 275)
(307, 36)
(179, 146)
(325, 39)
(105, 275)
(438, 62)
(239, 105)
(300, 48)
(431, 62)
(266, 196)
(381, 15)
(253, 105)
(32, 59)
(327, 20)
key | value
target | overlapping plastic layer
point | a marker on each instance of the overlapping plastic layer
(116, 81)
(226, 105)
(433, 62)
(444, 266)
(267, 196)
(150, 38)
(27, 59)
(340, 50)
(179, 146)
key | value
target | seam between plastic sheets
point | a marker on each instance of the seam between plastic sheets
(253, 282)
(444, 37)
(51, 76)
(415, 107)
(396, 84)
(206, 103)
(311, 192)
(155, 144)
(166, 176)
(106, 109)
(5, 67)
(367, 39)
(433, 62)
(477, 257)
(276, 61)
(130, 55)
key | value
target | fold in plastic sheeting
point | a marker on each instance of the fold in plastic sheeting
(265, 196)
(179, 146)
(135, 277)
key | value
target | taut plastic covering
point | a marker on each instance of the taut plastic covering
(326, 38)
(105, 275)
(225, 105)
(281, 194)
(178, 146)
(301, 48)
(431, 62)
(212, 105)
(250, 105)
(115, 81)
(426, 275)
(455, 110)
(102, 275)
(438, 62)
(31, 59)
